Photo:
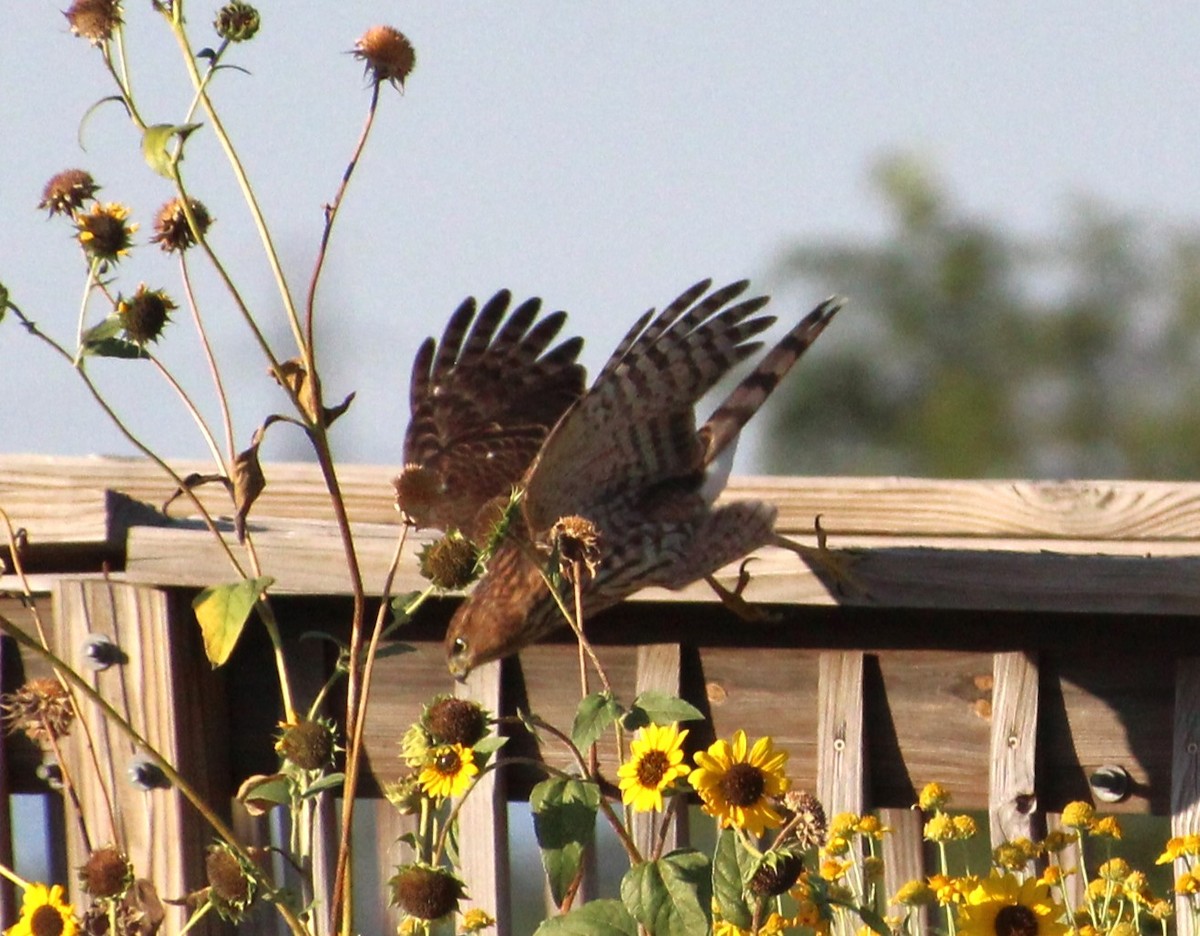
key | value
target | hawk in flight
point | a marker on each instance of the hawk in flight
(625, 455)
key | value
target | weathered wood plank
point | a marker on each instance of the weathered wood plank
(172, 697)
(1185, 772)
(841, 757)
(483, 820)
(1012, 800)
(903, 860)
(658, 671)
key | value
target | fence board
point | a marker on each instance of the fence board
(1012, 799)
(840, 754)
(903, 860)
(658, 670)
(1185, 773)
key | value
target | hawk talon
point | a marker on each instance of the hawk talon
(733, 600)
(831, 566)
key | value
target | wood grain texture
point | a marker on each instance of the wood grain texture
(483, 820)
(841, 757)
(903, 860)
(1185, 772)
(658, 671)
(1012, 800)
(173, 699)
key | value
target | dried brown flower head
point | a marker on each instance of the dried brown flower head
(41, 708)
(806, 816)
(104, 233)
(171, 229)
(425, 892)
(777, 873)
(232, 889)
(577, 542)
(236, 22)
(388, 55)
(107, 873)
(307, 744)
(456, 721)
(145, 315)
(417, 492)
(94, 20)
(68, 191)
(449, 562)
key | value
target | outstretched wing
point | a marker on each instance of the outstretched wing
(482, 401)
(636, 426)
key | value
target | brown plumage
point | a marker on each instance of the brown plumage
(482, 401)
(629, 457)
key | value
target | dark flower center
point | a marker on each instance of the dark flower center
(743, 785)
(448, 763)
(1017, 920)
(652, 768)
(46, 921)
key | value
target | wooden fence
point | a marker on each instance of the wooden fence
(1011, 639)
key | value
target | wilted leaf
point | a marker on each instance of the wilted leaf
(595, 713)
(671, 896)
(104, 340)
(564, 821)
(222, 612)
(261, 793)
(156, 142)
(3, 301)
(731, 865)
(248, 483)
(659, 708)
(195, 480)
(333, 412)
(295, 378)
(595, 918)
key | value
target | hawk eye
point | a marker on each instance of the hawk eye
(460, 646)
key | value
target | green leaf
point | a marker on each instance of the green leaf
(671, 896)
(156, 142)
(595, 918)
(595, 713)
(564, 821)
(3, 301)
(261, 793)
(331, 781)
(222, 612)
(652, 707)
(104, 340)
(731, 866)
(489, 745)
(400, 605)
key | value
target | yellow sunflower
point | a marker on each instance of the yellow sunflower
(655, 762)
(449, 771)
(737, 785)
(43, 913)
(1001, 905)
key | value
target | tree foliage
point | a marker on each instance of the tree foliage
(971, 351)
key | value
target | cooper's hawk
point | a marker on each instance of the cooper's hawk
(628, 457)
(482, 402)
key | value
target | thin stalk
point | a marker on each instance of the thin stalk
(192, 409)
(210, 358)
(11, 875)
(72, 791)
(93, 266)
(203, 88)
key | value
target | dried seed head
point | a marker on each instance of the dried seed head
(577, 541)
(107, 873)
(425, 892)
(777, 873)
(232, 888)
(456, 721)
(145, 315)
(449, 562)
(806, 810)
(94, 20)
(104, 233)
(236, 22)
(68, 191)
(388, 55)
(418, 491)
(41, 708)
(405, 794)
(171, 229)
(307, 744)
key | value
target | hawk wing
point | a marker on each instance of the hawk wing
(635, 428)
(482, 402)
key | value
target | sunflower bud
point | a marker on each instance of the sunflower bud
(307, 744)
(107, 873)
(94, 20)
(388, 55)
(449, 562)
(145, 315)
(236, 22)
(425, 892)
(232, 888)
(67, 192)
(171, 229)
(456, 721)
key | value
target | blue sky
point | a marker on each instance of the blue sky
(601, 156)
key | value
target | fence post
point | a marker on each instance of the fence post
(840, 755)
(658, 670)
(1012, 799)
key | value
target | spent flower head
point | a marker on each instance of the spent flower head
(307, 743)
(145, 314)
(387, 54)
(450, 562)
(236, 22)
(171, 229)
(107, 874)
(104, 233)
(68, 191)
(426, 892)
(41, 708)
(450, 720)
(805, 816)
(94, 20)
(231, 887)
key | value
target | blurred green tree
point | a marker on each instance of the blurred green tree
(969, 351)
